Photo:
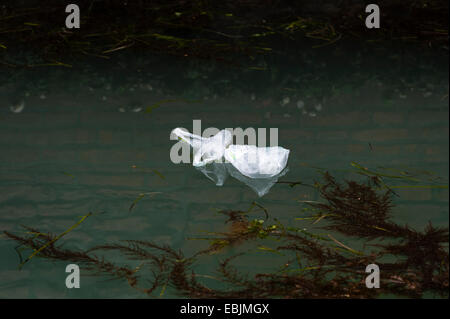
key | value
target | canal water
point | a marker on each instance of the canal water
(94, 136)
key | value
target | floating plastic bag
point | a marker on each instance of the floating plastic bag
(217, 172)
(257, 167)
(206, 149)
(260, 185)
(257, 162)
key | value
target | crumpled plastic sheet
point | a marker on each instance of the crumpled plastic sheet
(216, 157)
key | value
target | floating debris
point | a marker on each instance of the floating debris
(286, 100)
(141, 196)
(17, 108)
(300, 104)
(50, 243)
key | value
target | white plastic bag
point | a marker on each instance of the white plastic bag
(257, 162)
(206, 149)
(216, 157)
(260, 185)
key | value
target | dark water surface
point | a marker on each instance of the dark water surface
(88, 145)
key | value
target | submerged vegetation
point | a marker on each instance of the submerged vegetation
(413, 263)
(210, 29)
(207, 49)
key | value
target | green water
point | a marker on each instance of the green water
(89, 146)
